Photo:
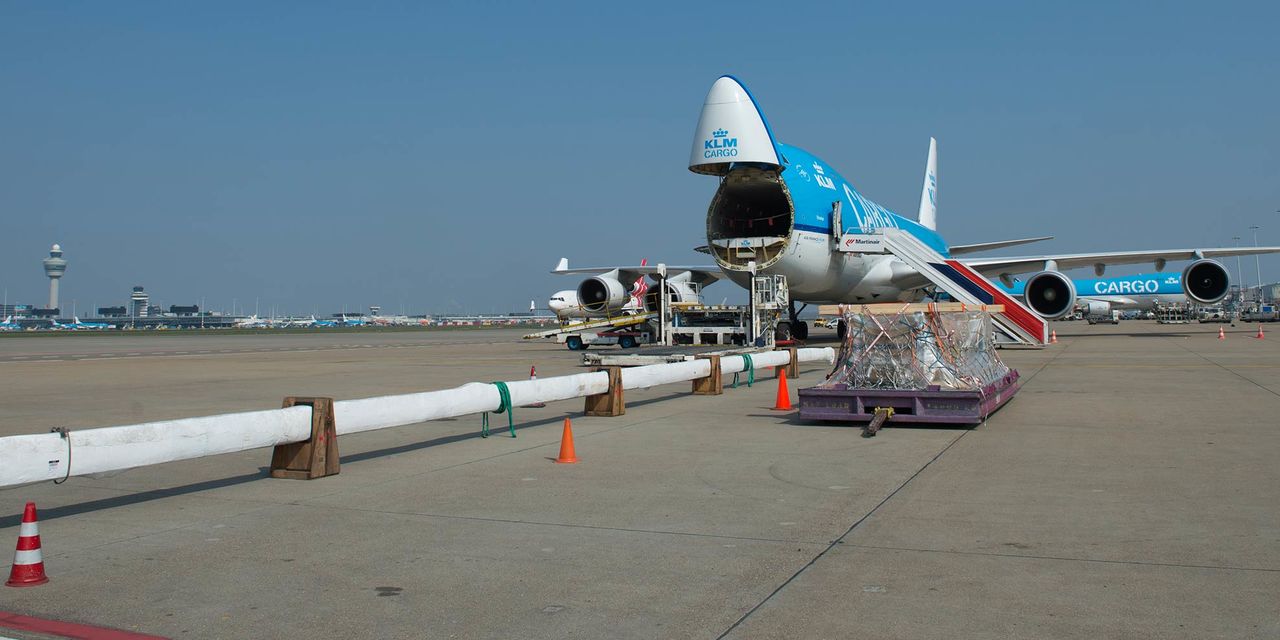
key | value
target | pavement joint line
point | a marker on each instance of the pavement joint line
(566, 525)
(406, 477)
(148, 534)
(1220, 366)
(1027, 556)
(840, 540)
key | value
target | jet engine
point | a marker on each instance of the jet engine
(679, 292)
(1050, 294)
(602, 294)
(1205, 281)
(1097, 309)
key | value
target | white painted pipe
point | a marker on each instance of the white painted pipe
(32, 458)
(367, 414)
(656, 374)
(39, 457)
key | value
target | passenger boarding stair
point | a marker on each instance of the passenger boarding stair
(965, 285)
(602, 324)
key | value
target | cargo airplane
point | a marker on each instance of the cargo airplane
(778, 209)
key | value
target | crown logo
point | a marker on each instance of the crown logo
(719, 133)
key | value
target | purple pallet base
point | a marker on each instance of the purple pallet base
(928, 406)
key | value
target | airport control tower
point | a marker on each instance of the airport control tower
(54, 267)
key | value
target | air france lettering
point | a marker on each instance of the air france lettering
(868, 214)
(720, 145)
(1126, 286)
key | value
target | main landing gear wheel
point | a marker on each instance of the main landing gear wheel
(782, 331)
(800, 330)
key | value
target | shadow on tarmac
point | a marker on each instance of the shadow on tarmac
(497, 430)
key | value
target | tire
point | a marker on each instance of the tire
(575, 343)
(800, 330)
(782, 331)
(627, 342)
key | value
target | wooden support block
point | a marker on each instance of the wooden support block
(793, 368)
(315, 457)
(894, 308)
(713, 384)
(611, 402)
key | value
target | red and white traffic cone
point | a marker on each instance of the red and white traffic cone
(533, 375)
(1053, 337)
(28, 564)
(1260, 335)
(1222, 334)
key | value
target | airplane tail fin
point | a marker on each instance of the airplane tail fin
(641, 285)
(929, 194)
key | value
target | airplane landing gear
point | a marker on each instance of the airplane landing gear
(797, 328)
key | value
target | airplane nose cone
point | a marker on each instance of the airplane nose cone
(727, 89)
(731, 130)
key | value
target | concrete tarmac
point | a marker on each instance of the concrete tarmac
(1130, 490)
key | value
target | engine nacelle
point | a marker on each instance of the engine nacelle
(678, 291)
(1050, 294)
(1205, 281)
(602, 295)
(1097, 309)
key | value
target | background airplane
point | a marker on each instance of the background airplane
(252, 322)
(10, 325)
(1098, 296)
(603, 296)
(76, 324)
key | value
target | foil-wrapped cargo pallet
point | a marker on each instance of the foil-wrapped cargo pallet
(930, 363)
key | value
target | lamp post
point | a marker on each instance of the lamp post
(1239, 272)
(1257, 262)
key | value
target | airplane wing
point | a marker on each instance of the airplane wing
(1000, 266)
(1115, 301)
(703, 275)
(988, 246)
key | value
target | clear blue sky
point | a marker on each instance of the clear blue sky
(442, 158)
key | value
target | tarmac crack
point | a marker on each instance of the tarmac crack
(840, 540)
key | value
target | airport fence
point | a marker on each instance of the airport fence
(61, 454)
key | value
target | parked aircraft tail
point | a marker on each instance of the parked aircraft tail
(929, 194)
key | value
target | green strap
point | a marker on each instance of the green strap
(505, 395)
(749, 367)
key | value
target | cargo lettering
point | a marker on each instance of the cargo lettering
(1126, 286)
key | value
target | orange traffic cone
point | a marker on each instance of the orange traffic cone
(567, 454)
(1222, 334)
(533, 375)
(783, 403)
(28, 564)
(1260, 336)
(1053, 337)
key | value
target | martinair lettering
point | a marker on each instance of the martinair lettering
(1126, 286)
(720, 145)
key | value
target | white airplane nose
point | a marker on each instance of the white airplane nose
(730, 130)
